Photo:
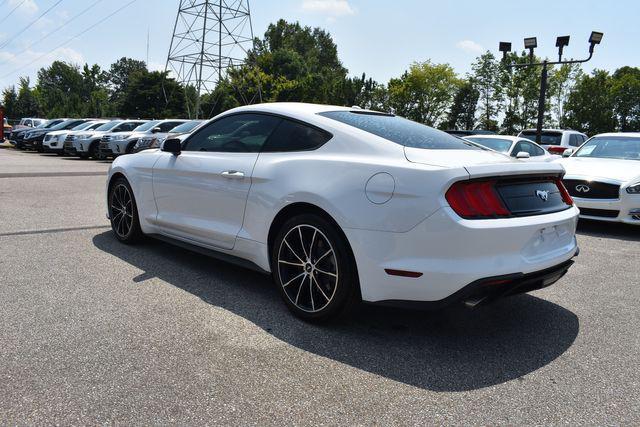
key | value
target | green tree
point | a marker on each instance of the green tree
(118, 78)
(10, 101)
(520, 91)
(292, 63)
(424, 92)
(145, 96)
(59, 90)
(590, 106)
(95, 96)
(27, 103)
(487, 78)
(625, 93)
(561, 83)
(462, 114)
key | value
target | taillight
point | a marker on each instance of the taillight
(556, 149)
(476, 199)
(566, 197)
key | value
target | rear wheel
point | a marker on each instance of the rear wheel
(123, 212)
(313, 268)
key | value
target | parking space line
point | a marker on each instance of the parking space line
(49, 174)
(54, 230)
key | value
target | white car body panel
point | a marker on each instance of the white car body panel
(392, 211)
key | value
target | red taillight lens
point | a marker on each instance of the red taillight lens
(556, 149)
(566, 197)
(476, 199)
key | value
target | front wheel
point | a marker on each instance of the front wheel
(313, 268)
(123, 212)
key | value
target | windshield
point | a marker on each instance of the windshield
(497, 144)
(82, 126)
(63, 124)
(547, 138)
(146, 126)
(50, 124)
(187, 127)
(611, 147)
(401, 131)
(109, 125)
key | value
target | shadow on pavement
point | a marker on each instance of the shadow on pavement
(452, 350)
(610, 230)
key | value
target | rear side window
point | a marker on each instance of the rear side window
(401, 131)
(294, 136)
(575, 140)
(527, 147)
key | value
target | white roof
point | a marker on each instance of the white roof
(629, 134)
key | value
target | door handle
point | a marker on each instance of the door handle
(233, 174)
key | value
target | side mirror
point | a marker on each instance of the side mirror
(156, 129)
(522, 155)
(567, 152)
(173, 145)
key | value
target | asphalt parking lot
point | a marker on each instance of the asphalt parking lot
(95, 332)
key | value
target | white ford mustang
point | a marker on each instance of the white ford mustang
(343, 204)
(603, 176)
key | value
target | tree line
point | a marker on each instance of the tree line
(297, 63)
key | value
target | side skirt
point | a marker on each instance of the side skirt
(231, 259)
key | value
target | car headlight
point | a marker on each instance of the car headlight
(120, 137)
(634, 188)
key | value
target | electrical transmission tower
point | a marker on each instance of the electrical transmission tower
(209, 38)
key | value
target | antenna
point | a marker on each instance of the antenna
(209, 38)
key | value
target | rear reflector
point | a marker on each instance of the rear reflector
(402, 273)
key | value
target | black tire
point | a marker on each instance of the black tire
(327, 284)
(125, 222)
(94, 150)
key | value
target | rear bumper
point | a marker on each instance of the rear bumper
(449, 253)
(490, 289)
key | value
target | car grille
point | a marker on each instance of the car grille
(48, 137)
(603, 213)
(592, 189)
(68, 144)
(106, 138)
(70, 138)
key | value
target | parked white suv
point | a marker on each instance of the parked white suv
(555, 141)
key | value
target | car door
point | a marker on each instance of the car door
(201, 193)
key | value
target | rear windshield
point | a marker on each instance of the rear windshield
(497, 144)
(401, 131)
(547, 138)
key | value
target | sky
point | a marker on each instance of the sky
(378, 37)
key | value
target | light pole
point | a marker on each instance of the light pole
(531, 43)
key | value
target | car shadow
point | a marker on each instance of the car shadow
(611, 230)
(450, 350)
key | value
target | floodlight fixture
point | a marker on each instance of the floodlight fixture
(594, 39)
(505, 47)
(561, 42)
(530, 43)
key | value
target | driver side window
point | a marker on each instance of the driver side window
(238, 133)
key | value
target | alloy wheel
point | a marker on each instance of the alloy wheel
(121, 210)
(307, 268)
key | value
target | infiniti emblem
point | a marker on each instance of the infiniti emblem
(543, 194)
(582, 188)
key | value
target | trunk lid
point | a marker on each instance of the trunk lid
(481, 163)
